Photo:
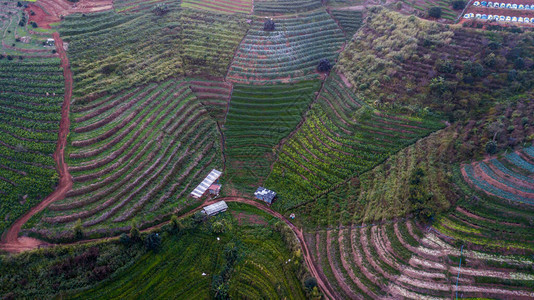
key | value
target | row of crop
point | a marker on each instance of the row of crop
(490, 189)
(133, 193)
(228, 6)
(519, 187)
(517, 160)
(214, 95)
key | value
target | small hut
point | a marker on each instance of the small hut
(214, 189)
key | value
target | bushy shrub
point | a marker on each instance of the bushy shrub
(324, 65)
(434, 12)
(458, 4)
(161, 9)
(153, 241)
(491, 147)
(269, 25)
(310, 283)
(124, 239)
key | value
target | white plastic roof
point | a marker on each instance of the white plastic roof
(205, 184)
(215, 208)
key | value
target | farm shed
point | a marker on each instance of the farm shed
(206, 183)
(215, 208)
(265, 195)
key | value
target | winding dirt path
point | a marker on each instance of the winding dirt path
(10, 240)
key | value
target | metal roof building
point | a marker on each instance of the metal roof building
(215, 208)
(265, 195)
(206, 183)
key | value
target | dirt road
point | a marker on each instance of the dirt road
(10, 241)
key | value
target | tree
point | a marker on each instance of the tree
(491, 147)
(78, 230)
(124, 239)
(176, 225)
(458, 4)
(153, 241)
(198, 217)
(324, 65)
(269, 25)
(434, 12)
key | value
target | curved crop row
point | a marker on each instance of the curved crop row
(511, 183)
(134, 155)
(227, 6)
(289, 53)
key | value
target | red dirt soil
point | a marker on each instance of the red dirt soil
(10, 241)
(55, 9)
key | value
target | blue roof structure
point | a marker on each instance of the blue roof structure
(265, 195)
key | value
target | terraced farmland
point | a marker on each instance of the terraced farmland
(339, 139)
(403, 260)
(289, 53)
(274, 7)
(135, 155)
(510, 178)
(259, 117)
(108, 56)
(22, 40)
(349, 20)
(226, 6)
